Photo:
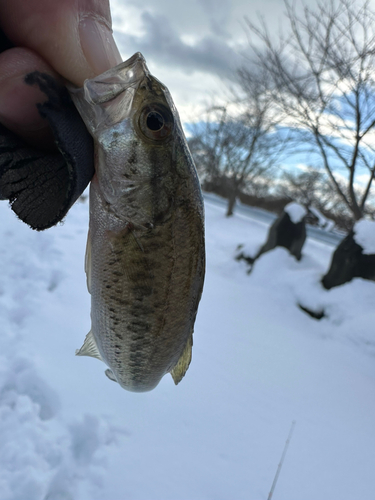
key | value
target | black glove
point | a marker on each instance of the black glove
(41, 187)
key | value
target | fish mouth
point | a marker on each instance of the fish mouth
(108, 99)
(124, 75)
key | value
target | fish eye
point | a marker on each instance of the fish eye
(155, 122)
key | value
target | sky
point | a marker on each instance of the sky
(193, 47)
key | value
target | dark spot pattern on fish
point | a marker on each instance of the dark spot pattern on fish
(137, 328)
(119, 300)
(117, 273)
(136, 358)
(141, 291)
(133, 158)
(140, 339)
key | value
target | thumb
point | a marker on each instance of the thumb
(73, 36)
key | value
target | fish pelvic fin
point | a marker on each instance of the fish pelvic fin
(110, 375)
(89, 347)
(183, 363)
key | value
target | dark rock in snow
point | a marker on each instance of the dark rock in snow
(348, 262)
(287, 234)
(283, 233)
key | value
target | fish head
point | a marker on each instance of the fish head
(137, 131)
(107, 99)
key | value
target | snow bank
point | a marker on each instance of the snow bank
(43, 456)
(323, 222)
(364, 235)
(295, 211)
(259, 362)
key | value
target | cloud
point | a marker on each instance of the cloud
(218, 13)
(160, 42)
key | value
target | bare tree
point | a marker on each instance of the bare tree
(306, 187)
(311, 187)
(322, 78)
(232, 147)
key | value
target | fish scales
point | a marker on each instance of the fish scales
(145, 257)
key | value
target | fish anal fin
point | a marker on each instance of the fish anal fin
(89, 347)
(183, 363)
(110, 375)
(88, 262)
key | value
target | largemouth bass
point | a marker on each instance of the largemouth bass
(145, 256)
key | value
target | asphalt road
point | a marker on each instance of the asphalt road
(328, 237)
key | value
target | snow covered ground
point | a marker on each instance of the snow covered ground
(68, 433)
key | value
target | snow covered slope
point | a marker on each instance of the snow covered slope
(259, 362)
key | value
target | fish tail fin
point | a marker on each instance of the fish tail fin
(183, 363)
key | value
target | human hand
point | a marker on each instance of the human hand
(70, 38)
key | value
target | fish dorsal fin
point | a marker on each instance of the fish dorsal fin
(110, 375)
(89, 347)
(88, 262)
(183, 363)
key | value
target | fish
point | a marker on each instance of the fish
(145, 254)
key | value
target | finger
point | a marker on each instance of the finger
(73, 36)
(18, 111)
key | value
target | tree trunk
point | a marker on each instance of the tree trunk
(231, 203)
(356, 211)
(233, 190)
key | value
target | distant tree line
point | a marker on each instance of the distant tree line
(311, 92)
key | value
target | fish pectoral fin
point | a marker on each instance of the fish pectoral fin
(88, 262)
(110, 375)
(183, 363)
(89, 347)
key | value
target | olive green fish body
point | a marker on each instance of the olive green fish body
(145, 255)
